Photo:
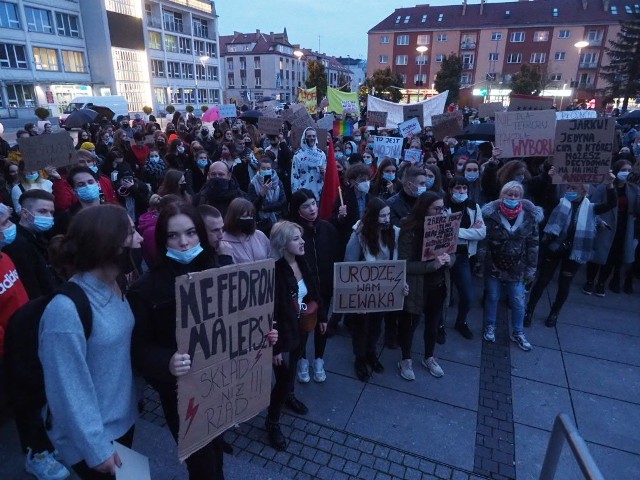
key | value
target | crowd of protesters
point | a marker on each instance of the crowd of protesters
(142, 205)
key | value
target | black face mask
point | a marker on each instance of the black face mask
(247, 225)
(384, 226)
(219, 184)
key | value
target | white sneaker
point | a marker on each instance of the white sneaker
(319, 375)
(433, 367)
(522, 342)
(303, 371)
(406, 369)
(490, 333)
(44, 466)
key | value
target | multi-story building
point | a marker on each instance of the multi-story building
(358, 68)
(495, 39)
(338, 74)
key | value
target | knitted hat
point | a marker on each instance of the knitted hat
(87, 146)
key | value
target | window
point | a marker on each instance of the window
(495, 36)
(424, 18)
(200, 28)
(559, 56)
(555, 77)
(9, 15)
(155, 40)
(440, 17)
(230, 64)
(439, 58)
(514, 58)
(201, 72)
(419, 79)
(538, 58)
(20, 95)
(172, 21)
(198, 47)
(38, 20)
(185, 45)
(614, 10)
(45, 58)
(187, 70)
(588, 60)
(468, 60)
(212, 73)
(422, 59)
(12, 56)
(402, 40)
(173, 69)
(211, 49)
(442, 37)
(542, 36)
(383, 59)
(423, 40)
(68, 25)
(403, 78)
(243, 63)
(256, 63)
(398, 18)
(555, 12)
(73, 61)
(171, 43)
(627, 9)
(594, 35)
(157, 68)
(465, 78)
(517, 37)
(384, 39)
(402, 59)
(493, 57)
(564, 33)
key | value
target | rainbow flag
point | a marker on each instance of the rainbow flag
(342, 127)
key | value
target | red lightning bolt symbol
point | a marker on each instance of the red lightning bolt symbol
(259, 354)
(191, 414)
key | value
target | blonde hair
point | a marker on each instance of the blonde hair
(281, 234)
(511, 186)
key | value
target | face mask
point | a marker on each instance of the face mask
(510, 203)
(459, 168)
(219, 184)
(384, 226)
(357, 139)
(339, 155)
(519, 178)
(180, 149)
(184, 257)
(430, 181)
(471, 176)
(622, 176)
(420, 190)
(154, 159)
(364, 186)
(347, 151)
(452, 149)
(42, 224)
(247, 225)
(9, 234)
(203, 163)
(266, 173)
(110, 140)
(89, 193)
(94, 169)
(32, 177)
(367, 161)
(571, 196)
(390, 177)
(459, 197)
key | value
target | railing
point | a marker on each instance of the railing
(173, 26)
(467, 45)
(564, 429)
(467, 66)
(588, 65)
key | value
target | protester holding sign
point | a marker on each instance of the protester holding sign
(428, 282)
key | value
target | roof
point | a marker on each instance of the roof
(261, 43)
(520, 14)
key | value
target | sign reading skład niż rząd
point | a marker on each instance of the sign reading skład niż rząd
(223, 317)
(526, 134)
(440, 235)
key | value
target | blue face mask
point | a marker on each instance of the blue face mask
(622, 176)
(266, 173)
(94, 169)
(430, 181)
(184, 257)
(154, 159)
(89, 193)
(420, 190)
(42, 224)
(510, 203)
(472, 176)
(519, 178)
(367, 161)
(459, 197)
(32, 177)
(9, 234)
(357, 139)
(390, 177)
(203, 163)
(571, 196)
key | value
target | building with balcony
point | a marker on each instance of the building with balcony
(495, 39)
(358, 68)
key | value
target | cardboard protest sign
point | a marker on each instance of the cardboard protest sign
(227, 111)
(446, 125)
(298, 116)
(350, 106)
(413, 156)
(376, 119)
(583, 149)
(574, 114)
(387, 147)
(440, 235)
(489, 109)
(414, 110)
(526, 134)
(364, 287)
(270, 126)
(223, 316)
(55, 149)
(321, 135)
(326, 122)
(410, 127)
(308, 98)
(519, 103)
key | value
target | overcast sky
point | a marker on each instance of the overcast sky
(341, 31)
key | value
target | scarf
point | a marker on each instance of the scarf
(510, 213)
(585, 230)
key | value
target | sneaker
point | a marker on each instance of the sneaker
(442, 336)
(319, 375)
(490, 333)
(433, 367)
(406, 369)
(44, 466)
(303, 371)
(522, 342)
(599, 291)
(464, 330)
(588, 288)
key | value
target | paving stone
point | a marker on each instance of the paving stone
(397, 470)
(296, 462)
(383, 476)
(324, 444)
(322, 458)
(337, 463)
(381, 465)
(381, 452)
(308, 453)
(412, 474)
(311, 440)
(350, 468)
(325, 473)
(442, 472)
(353, 455)
(311, 468)
(339, 450)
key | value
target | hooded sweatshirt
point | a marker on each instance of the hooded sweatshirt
(305, 170)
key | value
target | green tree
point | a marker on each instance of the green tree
(623, 72)
(385, 84)
(528, 81)
(448, 78)
(317, 78)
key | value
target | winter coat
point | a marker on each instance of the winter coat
(147, 228)
(246, 248)
(512, 252)
(400, 205)
(357, 249)
(218, 193)
(345, 225)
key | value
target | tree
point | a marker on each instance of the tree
(623, 72)
(448, 78)
(385, 84)
(528, 81)
(344, 83)
(317, 78)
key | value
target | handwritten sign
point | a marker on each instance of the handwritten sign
(574, 114)
(520, 103)
(223, 316)
(410, 127)
(227, 111)
(413, 111)
(55, 149)
(308, 98)
(440, 235)
(349, 106)
(363, 287)
(583, 150)
(526, 134)
(446, 125)
(412, 155)
(270, 126)
(326, 122)
(377, 119)
(489, 109)
(387, 147)
(298, 116)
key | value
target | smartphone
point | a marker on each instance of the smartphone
(267, 178)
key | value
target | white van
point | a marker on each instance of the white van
(117, 103)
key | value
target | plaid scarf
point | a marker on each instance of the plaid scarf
(559, 225)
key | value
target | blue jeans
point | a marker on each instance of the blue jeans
(461, 278)
(515, 295)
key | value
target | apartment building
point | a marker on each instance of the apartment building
(495, 39)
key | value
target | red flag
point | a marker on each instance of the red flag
(331, 185)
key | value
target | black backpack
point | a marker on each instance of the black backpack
(24, 375)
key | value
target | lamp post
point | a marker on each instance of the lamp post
(298, 54)
(579, 45)
(421, 49)
(203, 60)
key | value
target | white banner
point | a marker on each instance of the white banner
(395, 111)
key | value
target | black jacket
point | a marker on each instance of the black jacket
(345, 225)
(400, 205)
(320, 252)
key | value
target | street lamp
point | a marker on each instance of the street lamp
(203, 60)
(421, 49)
(580, 45)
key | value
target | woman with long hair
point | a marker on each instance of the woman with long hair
(385, 183)
(174, 183)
